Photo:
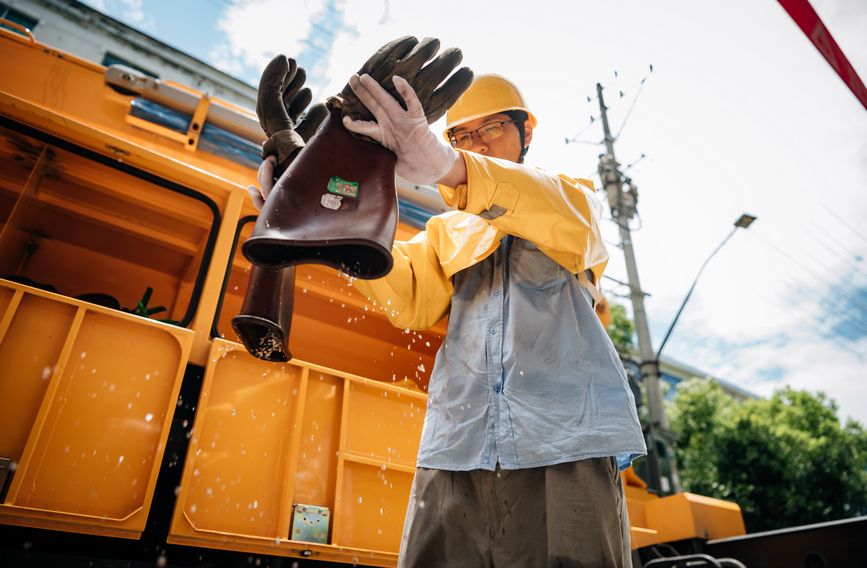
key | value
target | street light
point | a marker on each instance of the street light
(660, 437)
(743, 222)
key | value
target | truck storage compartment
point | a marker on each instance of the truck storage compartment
(92, 254)
(268, 436)
(86, 399)
(88, 226)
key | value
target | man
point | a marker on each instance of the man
(530, 417)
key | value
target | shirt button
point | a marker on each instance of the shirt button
(493, 331)
(497, 388)
(496, 292)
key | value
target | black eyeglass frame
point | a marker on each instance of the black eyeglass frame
(454, 141)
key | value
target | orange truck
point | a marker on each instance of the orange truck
(134, 428)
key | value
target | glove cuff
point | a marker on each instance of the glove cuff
(282, 145)
(348, 107)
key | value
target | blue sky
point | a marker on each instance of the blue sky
(741, 114)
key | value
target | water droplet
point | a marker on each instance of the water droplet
(149, 417)
(359, 498)
(46, 372)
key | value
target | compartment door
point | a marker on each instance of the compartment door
(87, 395)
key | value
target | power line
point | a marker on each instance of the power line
(595, 117)
(846, 224)
(808, 270)
(641, 86)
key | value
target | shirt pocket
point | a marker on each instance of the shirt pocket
(533, 269)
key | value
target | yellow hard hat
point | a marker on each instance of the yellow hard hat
(489, 94)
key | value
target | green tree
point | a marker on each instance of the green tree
(786, 461)
(621, 328)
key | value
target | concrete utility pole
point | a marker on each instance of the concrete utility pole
(662, 469)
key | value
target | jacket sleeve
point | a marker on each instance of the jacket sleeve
(556, 213)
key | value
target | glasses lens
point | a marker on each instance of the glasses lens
(463, 140)
(491, 131)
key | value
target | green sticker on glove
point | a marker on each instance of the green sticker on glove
(343, 187)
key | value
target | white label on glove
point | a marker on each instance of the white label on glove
(331, 201)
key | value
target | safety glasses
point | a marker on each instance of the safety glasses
(486, 133)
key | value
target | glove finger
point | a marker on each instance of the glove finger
(386, 56)
(311, 121)
(364, 127)
(379, 101)
(256, 196)
(291, 74)
(269, 104)
(275, 73)
(410, 65)
(380, 66)
(435, 72)
(364, 96)
(298, 103)
(413, 105)
(265, 175)
(444, 97)
(292, 88)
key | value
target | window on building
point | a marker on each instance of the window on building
(112, 59)
(17, 17)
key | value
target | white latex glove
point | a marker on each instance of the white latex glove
(422, 157)
(265, 177)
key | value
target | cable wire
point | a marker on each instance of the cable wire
(833, 287)
(641, 86)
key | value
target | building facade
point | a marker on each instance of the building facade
(79, 29)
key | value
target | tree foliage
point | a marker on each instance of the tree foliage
(621, 328)
(786, 460)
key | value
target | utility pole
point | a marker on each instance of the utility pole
(660, 459)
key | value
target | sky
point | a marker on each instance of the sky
(740, 114)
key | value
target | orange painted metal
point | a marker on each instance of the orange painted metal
(269, 435)
(85, 405)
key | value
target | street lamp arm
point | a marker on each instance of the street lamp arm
(688, 294)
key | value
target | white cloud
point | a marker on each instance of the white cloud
(133, 12)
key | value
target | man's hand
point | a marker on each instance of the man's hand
(265, 177)
(422, 157)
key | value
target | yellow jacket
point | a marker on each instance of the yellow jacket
(558, 214)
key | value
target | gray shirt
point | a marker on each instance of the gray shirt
(526, 375)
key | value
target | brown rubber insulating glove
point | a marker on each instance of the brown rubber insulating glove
(406, 57)
(281, 99)
(265, 319)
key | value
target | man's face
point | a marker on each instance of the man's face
(506, 146)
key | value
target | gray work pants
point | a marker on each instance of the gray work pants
(565, 515)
